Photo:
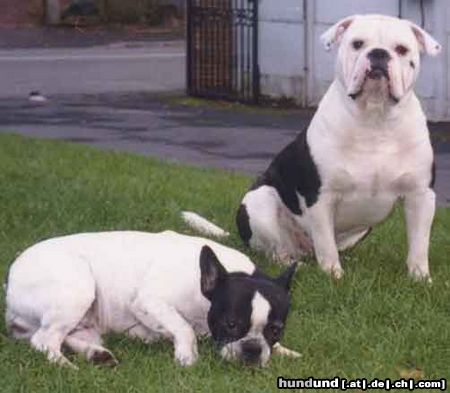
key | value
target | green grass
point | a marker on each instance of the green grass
(373, 323)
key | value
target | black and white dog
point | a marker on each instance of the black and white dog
(366, 147)
(70, 290)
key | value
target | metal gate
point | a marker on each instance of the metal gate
(222, 49)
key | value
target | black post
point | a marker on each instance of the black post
(256, 78)
(189, 46)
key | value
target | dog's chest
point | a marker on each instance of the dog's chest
(367, 182)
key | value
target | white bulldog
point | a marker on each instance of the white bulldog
(366, 147)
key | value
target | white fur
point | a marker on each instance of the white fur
(75, 288)
(202, 225)
(369, 153)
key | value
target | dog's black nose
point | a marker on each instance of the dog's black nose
(379, 54)
(379, 59)
(251, 351)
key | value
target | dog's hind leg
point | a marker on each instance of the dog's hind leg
(62, 316)
(259, 225)
(89, 342)
(50, 336)
(266, 224)
(18, 328)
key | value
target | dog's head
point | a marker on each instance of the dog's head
(379, 56)
(247, 313)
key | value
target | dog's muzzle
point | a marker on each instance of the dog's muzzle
(379, 59)
(377, 70)
(251, 351)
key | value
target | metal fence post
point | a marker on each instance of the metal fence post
(255, 66)
(189, 46)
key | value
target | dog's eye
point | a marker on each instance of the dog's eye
(273, 333)
(401, 50)
(357, 44)
(275, 330)
(231, 324)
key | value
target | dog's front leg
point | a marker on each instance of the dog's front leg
(160, 317)
(322, 233)
(419, 213)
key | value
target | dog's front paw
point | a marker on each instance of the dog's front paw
(186, 356)
(283, 351)
(61, 360)
(334, 271)
(417, 273)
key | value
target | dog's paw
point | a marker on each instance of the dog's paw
(418, 274)
(104, 357)
(186, 356)
(283, 351)
(61, 360)
(335, 271)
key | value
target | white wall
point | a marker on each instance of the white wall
(293, 63)
(281, 49)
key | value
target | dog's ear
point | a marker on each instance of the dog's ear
(334, 34)
(284, 280)
(426, 42)
(212, 272)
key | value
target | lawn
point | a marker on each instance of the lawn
(374, 323)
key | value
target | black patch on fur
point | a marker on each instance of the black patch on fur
(284, 280)
(433, 174)
(212, 272)
(411, 63)
(293, 170)
(243, 224)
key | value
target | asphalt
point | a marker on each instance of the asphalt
(232, 138)
(119, 66)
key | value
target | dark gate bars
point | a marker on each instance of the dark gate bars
(222, 49)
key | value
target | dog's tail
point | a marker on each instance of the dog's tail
(202, 225)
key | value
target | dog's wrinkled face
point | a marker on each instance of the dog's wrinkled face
(379, 56)
(247, 313)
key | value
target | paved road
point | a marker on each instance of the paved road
(115, 67)
(146, 124)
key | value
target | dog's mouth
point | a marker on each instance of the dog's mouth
(375, 73)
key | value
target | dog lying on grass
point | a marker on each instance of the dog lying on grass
(71, 290)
